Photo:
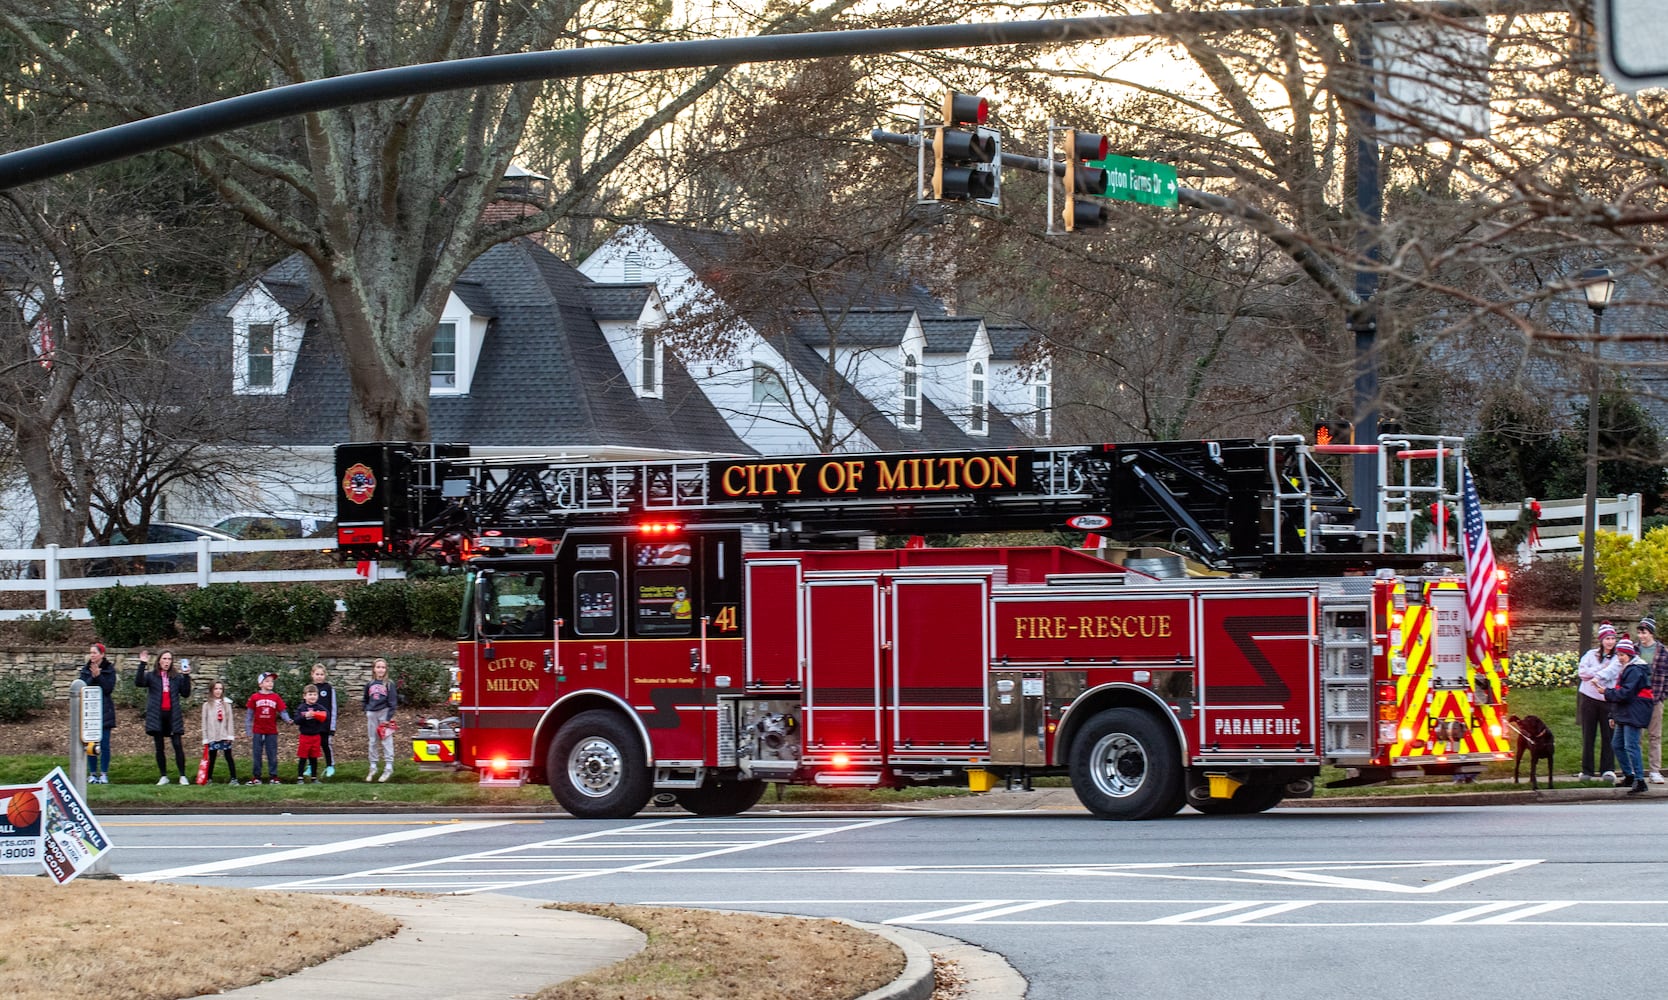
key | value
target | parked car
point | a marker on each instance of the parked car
(160, 532)
(277, 524)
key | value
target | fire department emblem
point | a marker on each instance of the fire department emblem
(359, 483)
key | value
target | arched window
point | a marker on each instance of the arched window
(911, 391)
(976, 400)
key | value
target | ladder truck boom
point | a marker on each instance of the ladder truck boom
(1218, 500)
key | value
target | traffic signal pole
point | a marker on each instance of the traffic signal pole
(151, 134)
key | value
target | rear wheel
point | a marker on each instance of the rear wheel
(1124, 765)
(596, 767)
(721, 797)
(1245, 800)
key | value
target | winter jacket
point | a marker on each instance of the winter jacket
(312, 720)
(1597, 673)
(1630, 700)
(158, 723)
(106, 682)
(381, 696)
(327, 701)
(1659, 669)
(218, 721)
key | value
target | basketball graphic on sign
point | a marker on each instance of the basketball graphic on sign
(23, 811)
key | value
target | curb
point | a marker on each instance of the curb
(916, 981)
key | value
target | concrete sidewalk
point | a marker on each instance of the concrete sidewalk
(480, 947)
(492, 947)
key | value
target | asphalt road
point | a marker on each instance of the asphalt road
(1515, 901)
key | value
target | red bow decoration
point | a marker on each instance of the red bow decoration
(1535, 525)
(1439, 518)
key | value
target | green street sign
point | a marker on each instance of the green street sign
(1143, 181)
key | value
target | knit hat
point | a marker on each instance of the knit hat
(1648, 624)
(1604, 629)
(1625, 647)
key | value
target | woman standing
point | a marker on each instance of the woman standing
(381, 698)
(101, 673)
(1630, 705)
(165, 706)
(1597, 670)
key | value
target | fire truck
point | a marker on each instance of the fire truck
(694, 630)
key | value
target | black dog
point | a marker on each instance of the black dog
(1534, 739)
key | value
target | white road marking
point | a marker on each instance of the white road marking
(463, 874)
(1001, 911)
(1209, 911)
(1460, 916)
(1265, 911)
(311, 851)
(1527, 911)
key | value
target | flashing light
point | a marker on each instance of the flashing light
(659, 527)
(1397, 618)
(492, 533)
(500, 763)
(1405, 733)
(1386, 691)
(841, 760)
(1053, 726)
(1500, 618)
(1495, 730)
(1500, 574)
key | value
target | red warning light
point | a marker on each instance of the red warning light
(659, 527)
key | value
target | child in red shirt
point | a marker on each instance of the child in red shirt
(264, 709)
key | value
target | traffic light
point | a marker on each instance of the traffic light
(1334, 432)
(964, 160)
(1082, 179)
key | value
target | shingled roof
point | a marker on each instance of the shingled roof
(546, 377)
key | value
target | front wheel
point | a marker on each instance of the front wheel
(721, 797)
(597, 768)
(1124, 765)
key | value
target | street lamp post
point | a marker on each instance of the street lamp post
(1598, 284)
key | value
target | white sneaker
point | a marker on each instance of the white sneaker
(1608, 775)
(1656, 777)
(162, 780)
(183, 781)
(389, 773)
(371, 776)
(1580, 776)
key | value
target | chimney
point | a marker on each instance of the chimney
(521, 193)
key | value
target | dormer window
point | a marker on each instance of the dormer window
(443, 372)
(767, 385)
(266, 339)
(911, 391)
(258, 375)
(976, 399)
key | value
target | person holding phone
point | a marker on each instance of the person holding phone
(167, 688)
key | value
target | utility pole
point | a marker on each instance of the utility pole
(1363, 320)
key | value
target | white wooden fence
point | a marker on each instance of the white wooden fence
(52, 585)
(1560, 527)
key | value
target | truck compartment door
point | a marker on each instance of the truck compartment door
(843, 669)
(1257, 676)
(940, 649)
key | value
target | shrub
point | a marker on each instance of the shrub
(216, 611)
(1550, 584)
(436, 606)
(289, 614)
(22, 697)
(1543, 670)
(419, 680)
(48, 626)
(381, 608)
(133, 616)
(1622, 570)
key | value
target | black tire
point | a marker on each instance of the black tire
(1246, 799)
(721, 797)
(1125, 765)
(596, 767)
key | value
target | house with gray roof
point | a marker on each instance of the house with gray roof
(874, 365)
(531, 356)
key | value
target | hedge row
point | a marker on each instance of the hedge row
(231, 612)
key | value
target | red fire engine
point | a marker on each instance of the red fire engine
(704, 628)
